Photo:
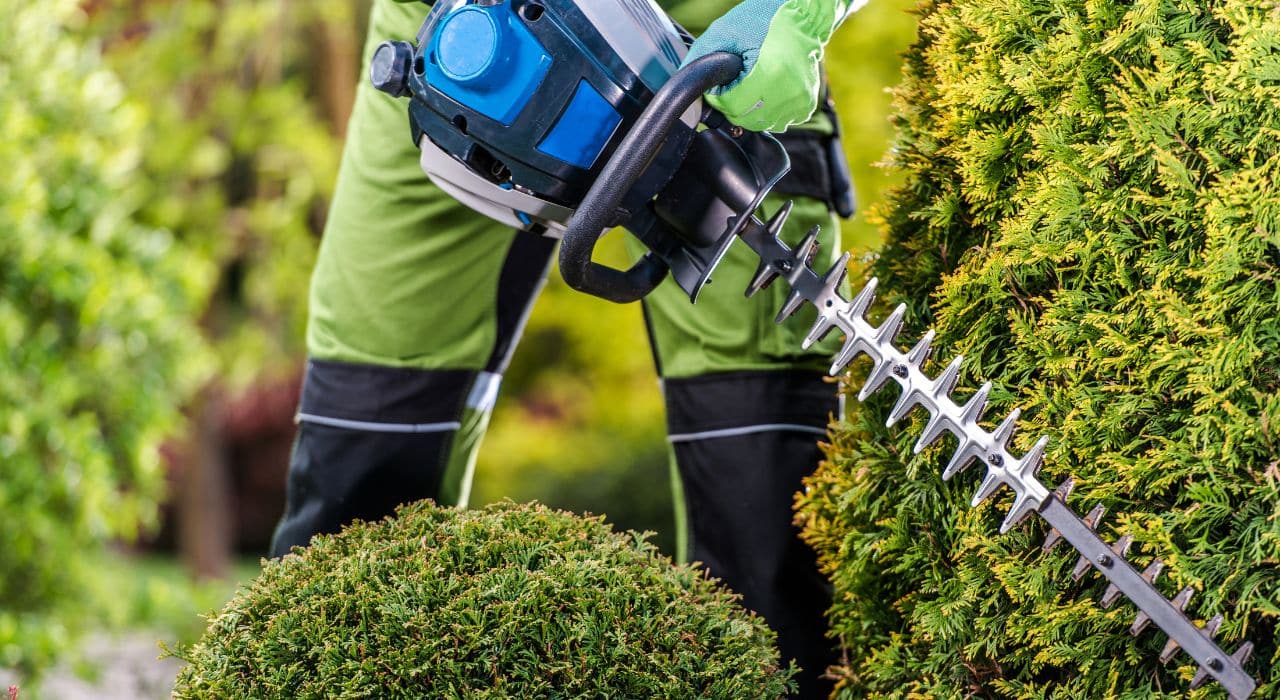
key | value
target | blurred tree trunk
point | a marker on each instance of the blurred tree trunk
(339, 65)
(204, 513)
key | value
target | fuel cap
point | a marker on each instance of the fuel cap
(469, 45)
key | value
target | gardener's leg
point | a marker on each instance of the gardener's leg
(416, 305)
(746, 408)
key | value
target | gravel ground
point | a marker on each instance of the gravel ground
(129, 669)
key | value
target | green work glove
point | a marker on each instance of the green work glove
(781, 44)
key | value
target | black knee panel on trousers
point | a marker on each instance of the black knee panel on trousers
(743, 442)
(368, 440)
(337, 476)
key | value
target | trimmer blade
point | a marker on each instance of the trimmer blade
(976, 443)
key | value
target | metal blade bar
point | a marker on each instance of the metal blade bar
(975, 443)
(1149, 599)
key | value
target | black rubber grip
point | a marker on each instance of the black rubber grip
(599, 209)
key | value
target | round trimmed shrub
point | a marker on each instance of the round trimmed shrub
(507, 601)
(1090, 217)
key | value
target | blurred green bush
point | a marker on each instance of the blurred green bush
(240, 154)
(510, 601)
(98, 311)
(166, 169)
(1090, 219)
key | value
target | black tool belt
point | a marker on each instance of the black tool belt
(819, 169)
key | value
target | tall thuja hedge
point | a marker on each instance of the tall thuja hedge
(97, 335)
(1091, 218)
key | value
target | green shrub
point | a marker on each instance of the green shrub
(1090, 217)
(508, 601)
(97, 324)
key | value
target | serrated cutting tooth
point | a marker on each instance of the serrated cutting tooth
(778, 220)
(793, 303)
(1090, 521)
(1094, 516)
(803, 253)
(1152, 572)
(1179, 601)
(1063, 491)
(1029, 464)
(770, 271)
(821, 328)
(906, 401)
(933, 430)
(976, 405)
(1121, 550)
(1004, 432)
(946, 382)
(835, 276)
(852, 346)
(1140, 622)
(892, 326)
(990, 484)
(1243, 652)
(862, 302)
(878, 376)
(1172, 647)
(827, 313)
(921, 351)
(765, 276)
(1022, 507)
(963, 457)
(1081, 568)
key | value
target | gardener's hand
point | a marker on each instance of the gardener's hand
(781, 44)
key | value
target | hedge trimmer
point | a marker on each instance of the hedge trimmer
(572, 117)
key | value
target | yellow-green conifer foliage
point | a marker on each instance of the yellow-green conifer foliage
(508, 601)
(1091, 218)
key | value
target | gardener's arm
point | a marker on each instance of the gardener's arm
(781, 44)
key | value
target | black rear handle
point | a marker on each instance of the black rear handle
(599, 210)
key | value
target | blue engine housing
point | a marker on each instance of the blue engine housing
(528, 93)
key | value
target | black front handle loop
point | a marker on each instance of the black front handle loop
(599, 209)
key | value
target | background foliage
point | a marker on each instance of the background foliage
(87, 287)
(507, 601)
(166, 169)
(1089, 217)
(240, 158)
